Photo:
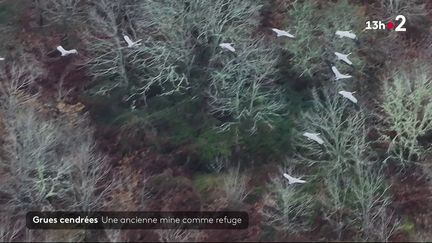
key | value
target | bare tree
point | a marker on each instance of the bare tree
(354, 193)
(341, 127)
(243, 89)
(63, 12)
(235, 187)
(287, 208)
(107, 57)
(179, 39)
(408, 112)
(178, 235)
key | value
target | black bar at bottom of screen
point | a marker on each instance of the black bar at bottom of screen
(137, 220)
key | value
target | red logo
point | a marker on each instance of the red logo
(390, 25)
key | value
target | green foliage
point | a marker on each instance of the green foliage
(406, 102)
(408, 227)
(315, 40)
(9, 11)
(212, 144)
(206, 182)
(269, 143)
(5, 13)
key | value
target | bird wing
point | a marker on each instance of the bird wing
(339, 55)
(352, 98)
(318, 139)
(345, 59)
(128, 40)
(290, 179)
(61, 49)
(277, 31)
(2, 58)
(299, 180)
(348, 95)
(350, 35)
(282, 33)
(336, 72)
(345, 76)
(227, 46)
(289, 35)
(313, 136)
(345, 34)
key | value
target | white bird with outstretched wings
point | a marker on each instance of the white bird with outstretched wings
(131, 43)
(280, 33)
(292, 180)
(65, 52)
(339, 75)
(347, 34)
(227, 46)
(343, 57)
(348, 95)
(313, 136)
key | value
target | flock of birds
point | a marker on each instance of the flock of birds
(346, 94)
(64, 52)
(280, 33)
(130, 43)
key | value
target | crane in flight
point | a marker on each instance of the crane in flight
(343, 57)
(280, 33)
(131, 43)
(348, 95)
(338, 74)
(227, 46)
(313, 136)
(292, 180)
(65, 52)
(347, 34)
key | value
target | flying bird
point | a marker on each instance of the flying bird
(66, 52)
(343, 57)
(338, 74)
(313, 136)
(282, 33)
(292, 180)
(2, 58)
(348, 95)
(131, 43)
(348, 34)
(227, 46)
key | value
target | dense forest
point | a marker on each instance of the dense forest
(199, 105)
